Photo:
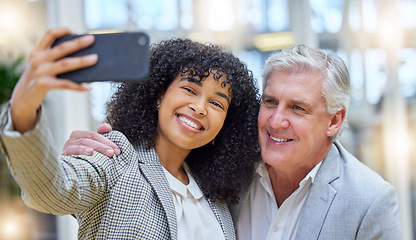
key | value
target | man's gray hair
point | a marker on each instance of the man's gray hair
(336, 83)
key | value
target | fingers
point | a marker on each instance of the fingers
(51, 61)
(87, 147)
(77, 150)
(53, 68)
(64, 48)
(103, 144)
(104, 128)
(85, 142)
(49, 38)
(40, 75)
(67, 47)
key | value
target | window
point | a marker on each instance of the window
(159, 15)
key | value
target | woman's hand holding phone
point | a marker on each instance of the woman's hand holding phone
(40, 75)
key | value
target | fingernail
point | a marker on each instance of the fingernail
(117, 151)
(86, 86)
(109, 152)
(87, 38)
(89, 151)
(91, 57)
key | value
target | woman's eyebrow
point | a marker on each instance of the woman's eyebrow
(224, 96)
(192, 80)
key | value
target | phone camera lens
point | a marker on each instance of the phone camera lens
(142, 41)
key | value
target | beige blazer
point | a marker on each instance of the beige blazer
(124, 197)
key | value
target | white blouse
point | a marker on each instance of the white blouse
(194, 215)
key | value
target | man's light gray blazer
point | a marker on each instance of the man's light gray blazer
(347, 201)
(124, 197)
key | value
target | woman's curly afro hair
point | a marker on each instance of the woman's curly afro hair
(222, 169)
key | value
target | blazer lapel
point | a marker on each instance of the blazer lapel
(152, 170)
(320, 198)
(222, 213)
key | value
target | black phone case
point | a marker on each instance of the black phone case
(122, 57)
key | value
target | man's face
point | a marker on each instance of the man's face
(294, 126)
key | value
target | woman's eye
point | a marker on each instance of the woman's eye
(217, 105)
(189, 90)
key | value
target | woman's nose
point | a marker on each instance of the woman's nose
(199, 108)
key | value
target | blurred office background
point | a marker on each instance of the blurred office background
(376, 38)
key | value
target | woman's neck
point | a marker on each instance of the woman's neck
(172, 159)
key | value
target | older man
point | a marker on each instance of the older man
(309, 186)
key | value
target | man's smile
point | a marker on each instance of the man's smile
(280, 139)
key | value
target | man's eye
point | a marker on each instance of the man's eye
(298, 108)
(268, 101)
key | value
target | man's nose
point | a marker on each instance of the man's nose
(279, 119)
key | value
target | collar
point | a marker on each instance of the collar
(190, 190)
(262, 172)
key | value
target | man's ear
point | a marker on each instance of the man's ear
(336, 122)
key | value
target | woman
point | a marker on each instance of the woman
(187, 138)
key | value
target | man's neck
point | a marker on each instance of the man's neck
(286, 179)
(284, 183)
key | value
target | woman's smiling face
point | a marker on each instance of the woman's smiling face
(192, 112)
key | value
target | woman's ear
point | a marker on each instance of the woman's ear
(336, 122)
(160, 98)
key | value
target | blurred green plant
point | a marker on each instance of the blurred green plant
(9, 75)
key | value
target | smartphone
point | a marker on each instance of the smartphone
(122, 57)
